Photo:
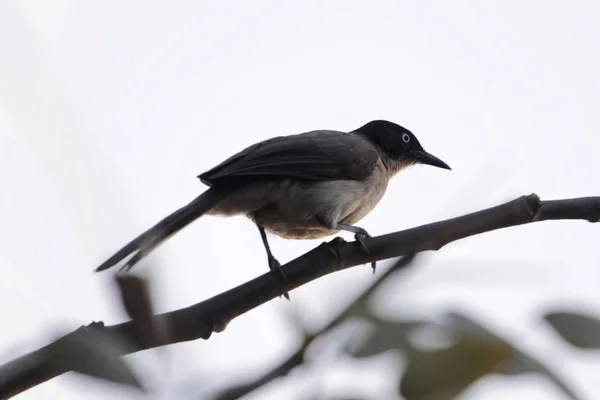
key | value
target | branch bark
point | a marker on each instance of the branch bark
(201, 320)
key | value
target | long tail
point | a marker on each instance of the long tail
(153, 237)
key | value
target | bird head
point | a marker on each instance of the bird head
(399, 144)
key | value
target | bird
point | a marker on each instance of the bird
(300, 186)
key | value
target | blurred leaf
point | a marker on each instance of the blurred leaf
(135, 296)
(462, 325)
(519, 363)
(136, 299)
(580, 330)
(91, 352)
(443, 374)
(384, 336)
(522, 364)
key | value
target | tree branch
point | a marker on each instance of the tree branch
(213, 315)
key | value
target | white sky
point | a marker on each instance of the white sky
(108, 111)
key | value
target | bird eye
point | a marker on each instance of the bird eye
(405, 137)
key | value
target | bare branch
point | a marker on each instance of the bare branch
(213, 315)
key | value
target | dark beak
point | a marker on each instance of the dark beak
(424, 157)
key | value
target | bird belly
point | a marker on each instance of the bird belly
(292, 211)
(298, 231)
(312, 210)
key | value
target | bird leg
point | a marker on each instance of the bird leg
(274, 265)
(360, 235)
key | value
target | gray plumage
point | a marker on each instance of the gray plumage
(303, 186)
(329, 177)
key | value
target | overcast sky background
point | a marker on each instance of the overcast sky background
(109, 110)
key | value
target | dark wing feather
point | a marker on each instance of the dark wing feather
(313, 156)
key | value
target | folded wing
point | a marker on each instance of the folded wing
(311, 156)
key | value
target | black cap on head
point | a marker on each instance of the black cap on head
(399, 143)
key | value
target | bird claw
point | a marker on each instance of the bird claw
(274, 265)
(332, 246)
(360, 238)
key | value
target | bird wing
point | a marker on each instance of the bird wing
(312, 156)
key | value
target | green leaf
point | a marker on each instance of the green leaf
(445, 373)
(580, 330)
(519, 363)
(94, 353)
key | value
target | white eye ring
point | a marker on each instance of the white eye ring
(406, 137)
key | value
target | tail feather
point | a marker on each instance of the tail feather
(173, 223)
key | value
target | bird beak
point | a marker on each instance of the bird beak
(424, 157)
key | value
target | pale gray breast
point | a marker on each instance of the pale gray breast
(371, 192)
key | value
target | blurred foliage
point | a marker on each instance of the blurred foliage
(580, 330)
(442, 357)
(463, 350)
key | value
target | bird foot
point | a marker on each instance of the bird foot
(333, 247)
(274, 265)
(360, 237)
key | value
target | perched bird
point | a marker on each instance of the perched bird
(303, 186)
